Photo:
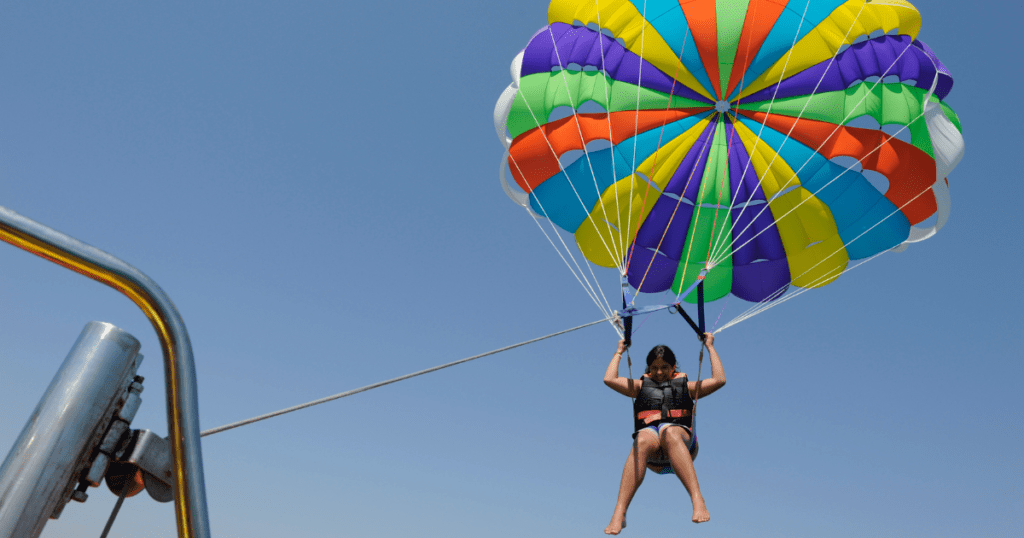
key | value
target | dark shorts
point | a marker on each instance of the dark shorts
(659, 462)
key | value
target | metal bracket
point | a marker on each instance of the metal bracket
(147, 456)
(111, 444)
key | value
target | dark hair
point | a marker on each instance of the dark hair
(660, 352)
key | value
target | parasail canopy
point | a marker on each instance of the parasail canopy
(766, 142)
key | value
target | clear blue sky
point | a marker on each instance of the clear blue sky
(314, 185)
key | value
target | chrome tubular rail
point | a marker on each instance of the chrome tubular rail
(190, 509)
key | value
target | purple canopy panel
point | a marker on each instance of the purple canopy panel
(945, 84)
(538, 52)
(759, 259)
(666, 227)
(880, 57)
(755, 222)
(691, 170)
(744, 248)
(585, 47)
(758, 281)
(650, 272)
(768, 240)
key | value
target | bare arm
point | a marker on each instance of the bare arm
(622, 385)
(700, 389)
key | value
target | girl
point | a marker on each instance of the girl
(663, 414)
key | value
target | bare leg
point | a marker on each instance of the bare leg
(632, 476)
(674, 441)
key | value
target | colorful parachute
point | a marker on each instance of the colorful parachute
(675, 136)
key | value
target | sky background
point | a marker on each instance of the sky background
(315, 186)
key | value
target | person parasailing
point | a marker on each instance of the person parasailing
(665, 444)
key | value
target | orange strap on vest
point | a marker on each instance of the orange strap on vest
(650, 416)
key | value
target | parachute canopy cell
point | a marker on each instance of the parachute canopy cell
(770, 141)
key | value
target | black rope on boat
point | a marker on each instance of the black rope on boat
(117, 508)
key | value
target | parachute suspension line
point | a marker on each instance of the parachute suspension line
(771, 302)
(632, 411)
(699, 329)
(627, 331)
(720, 312)
(762, 306)
(607, 115)
(727, 248)
(766, 304)
(628, 313)
(735, 118)
(723, 252)
(607, 308)
(588, 285)
(696, 219)
(693, 414)
(715, 244)
(828, 274)
(644, 321)
(780, 294)
(615, 251)
(654, 164)
(720, 253)
(561, 168)
(671, 218)
(723, 185)
(848, 168)
(782, 75)
(925, 102)
(817, 150)
(636, 114)
(393, 380)
(657, 151)
(743, 76)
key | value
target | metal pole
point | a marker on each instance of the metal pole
(179, 368)
(39, 475)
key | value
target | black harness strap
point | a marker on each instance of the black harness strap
(700, 310)
(699, 326)
(627, 324)
(699, 329)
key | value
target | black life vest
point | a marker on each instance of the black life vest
(657, 403)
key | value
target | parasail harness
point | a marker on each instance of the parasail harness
(667, 413)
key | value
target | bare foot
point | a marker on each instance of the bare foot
(616, 525)
(700, 513)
